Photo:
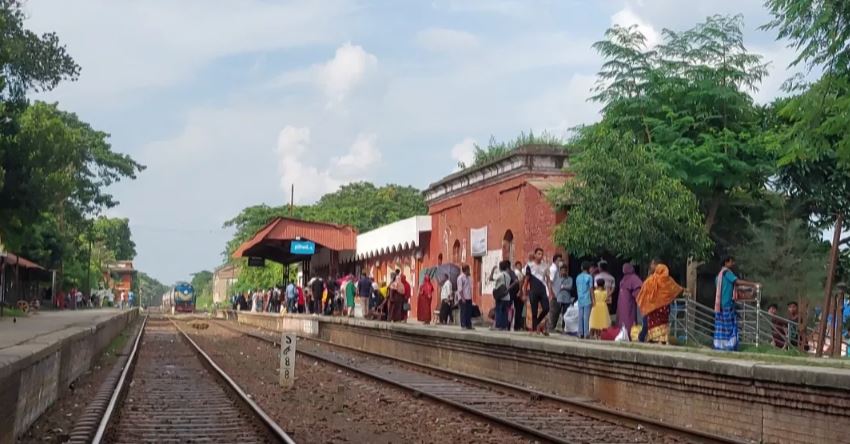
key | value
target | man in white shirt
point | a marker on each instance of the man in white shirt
(446, 301)
(464, 292)
(539, 288)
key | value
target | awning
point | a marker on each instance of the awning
(397, 236)
(12, 259)
(274, 240)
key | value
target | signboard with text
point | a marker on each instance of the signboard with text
(302, 247)
(256, 262)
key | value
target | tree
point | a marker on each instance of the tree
(202, 283)
(116, 237)
(150, 290)
(785, 255)
(622, 201)
(818, 29)
(688, 100)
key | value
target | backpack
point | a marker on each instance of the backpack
(501, 291)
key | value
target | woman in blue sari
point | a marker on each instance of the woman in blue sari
(725, 320)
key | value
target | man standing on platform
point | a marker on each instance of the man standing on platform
(364, 292)
(291, 297)
(464, 292)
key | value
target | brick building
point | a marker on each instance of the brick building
(223, 279)
(495, 211)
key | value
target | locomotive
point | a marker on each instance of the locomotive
(180, 299)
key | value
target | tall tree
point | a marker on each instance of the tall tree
(622, 201)
(689, 100)
(115, 234)
(785, 254)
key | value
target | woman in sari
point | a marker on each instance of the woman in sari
(408, 292)
(423, 303)
(396, 300)
(627, 301)
(654, 299)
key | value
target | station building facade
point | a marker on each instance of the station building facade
(478, 217)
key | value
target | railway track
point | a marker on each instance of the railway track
(171, 391)
(546, 417)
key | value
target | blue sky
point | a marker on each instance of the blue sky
(230, 102)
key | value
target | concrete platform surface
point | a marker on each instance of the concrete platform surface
(38, 331)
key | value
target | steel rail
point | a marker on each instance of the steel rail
(119, 388)
(597, 411)
(273, 427)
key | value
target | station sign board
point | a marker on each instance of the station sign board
(256, 262)
(302, 247)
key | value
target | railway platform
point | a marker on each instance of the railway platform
(739, 396)
(41, 354)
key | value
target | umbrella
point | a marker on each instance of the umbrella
(438, 274)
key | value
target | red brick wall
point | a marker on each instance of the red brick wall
(512, 205)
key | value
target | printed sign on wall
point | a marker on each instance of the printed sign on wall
(478, 238)
(490, 260)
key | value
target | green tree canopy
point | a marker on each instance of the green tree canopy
(116, 237)
(623, 202)
(689, 101)
(785, 255)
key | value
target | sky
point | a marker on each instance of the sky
(228, 103)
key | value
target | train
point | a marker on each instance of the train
(179, 299)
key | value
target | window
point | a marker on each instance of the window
(456, 252)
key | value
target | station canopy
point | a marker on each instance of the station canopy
(280, 237)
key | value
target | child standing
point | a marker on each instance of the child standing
(599, 317)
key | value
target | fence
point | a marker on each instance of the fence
(693, 323)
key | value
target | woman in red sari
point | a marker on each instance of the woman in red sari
(423, 304)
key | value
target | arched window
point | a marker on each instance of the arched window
(456, 252)
(440, 259)
(508, 246)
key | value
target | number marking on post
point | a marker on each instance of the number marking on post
(287, 360)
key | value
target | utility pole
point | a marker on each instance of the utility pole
(291, 198)
(830, 277)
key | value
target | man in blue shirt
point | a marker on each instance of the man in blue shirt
(584, 286)
(291, 297)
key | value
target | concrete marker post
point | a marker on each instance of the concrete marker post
(287, 359)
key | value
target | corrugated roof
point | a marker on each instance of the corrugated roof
(272, 241)
(10, 258)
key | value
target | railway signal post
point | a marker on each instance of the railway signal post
(287, 359)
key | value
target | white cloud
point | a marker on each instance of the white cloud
(627, 17)
(311, 182)
(444, 40)
(362, 154)
(347, 69)
(464, 151)
(129, 47)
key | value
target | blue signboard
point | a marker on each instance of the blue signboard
(302, 247)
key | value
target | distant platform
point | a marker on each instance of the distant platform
(41, 354)
(758, 398)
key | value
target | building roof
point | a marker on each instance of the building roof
(539, 160)
(14, 259)
(273, 241)
(397, 236)
(120, 267)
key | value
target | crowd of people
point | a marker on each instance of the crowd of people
(539, 297)
(76, 299)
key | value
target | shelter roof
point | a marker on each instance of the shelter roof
(10, 258)
(273, 241)
(397, 236)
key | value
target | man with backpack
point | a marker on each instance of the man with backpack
(502, 293)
